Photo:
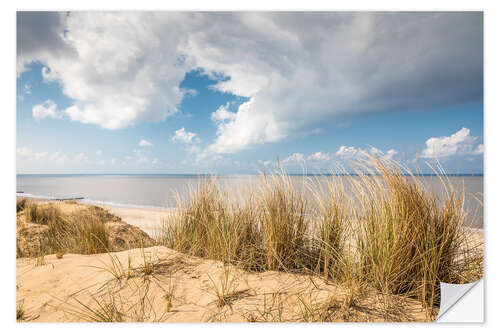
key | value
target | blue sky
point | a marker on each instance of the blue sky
(234, 92)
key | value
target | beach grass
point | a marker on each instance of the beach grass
(390, 232)
(209, 226)
(42, 214)
(82, 232)
(409, 238)
(20, 204)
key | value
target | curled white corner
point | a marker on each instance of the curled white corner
(452, 295)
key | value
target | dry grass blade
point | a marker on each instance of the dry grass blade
(105, 310)
(226, 291)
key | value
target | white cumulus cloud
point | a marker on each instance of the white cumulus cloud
(319, 156)
(47, 109)
(479, 150)
(347, 152)
(294, 158)
(223, 114)
(119, 68)
(145, 143)
(181, 135)
(459, 143)
(387, 155)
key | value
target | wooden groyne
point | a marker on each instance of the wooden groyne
(68, 199)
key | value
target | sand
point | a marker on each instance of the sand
(161, 284)
(148, 219)
(184, 289)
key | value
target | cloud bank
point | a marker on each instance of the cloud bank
(297, 70)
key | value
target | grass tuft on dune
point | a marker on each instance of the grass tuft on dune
(43, 228)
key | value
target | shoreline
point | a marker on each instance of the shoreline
(148, 219)
(84, 201)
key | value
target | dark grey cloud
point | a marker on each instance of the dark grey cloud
(431, 60)
(39, 33)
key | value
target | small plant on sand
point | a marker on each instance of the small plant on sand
(169, 293)
(226, 291)
(116, 268)
(106, 309)
(40, 252)
(272, 310)
(109, 304)
(148, 265)
(20, 312)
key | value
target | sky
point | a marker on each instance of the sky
(242, 92)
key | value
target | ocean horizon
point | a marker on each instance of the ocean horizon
(161, 191)
(240, 174)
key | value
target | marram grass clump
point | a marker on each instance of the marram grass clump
(83, 232)
(282, 218)
(390, 231)
(409, 237)
(210, 226)
(42, 214)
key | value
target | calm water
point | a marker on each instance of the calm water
(160, 190)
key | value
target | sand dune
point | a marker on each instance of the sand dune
(181, 288)
(160, 284)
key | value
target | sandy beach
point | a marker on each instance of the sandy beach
(148, 219)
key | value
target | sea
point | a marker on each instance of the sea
(161, 191)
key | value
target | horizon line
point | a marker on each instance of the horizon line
(243, 174)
